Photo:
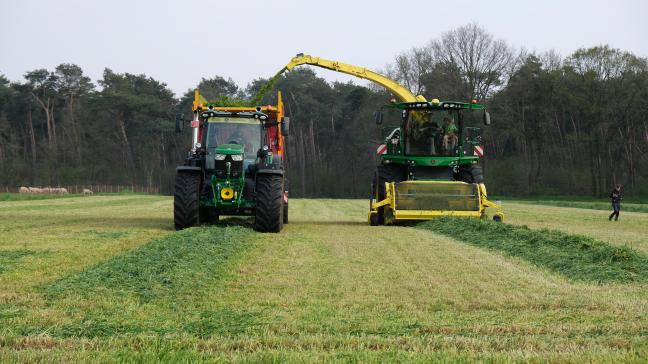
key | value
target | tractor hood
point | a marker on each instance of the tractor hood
(229, 149)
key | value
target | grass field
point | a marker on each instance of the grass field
(104, 279)
(593, 205)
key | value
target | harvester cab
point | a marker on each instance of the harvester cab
(235, 166)
(429, 164)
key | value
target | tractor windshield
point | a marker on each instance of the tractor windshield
(432, 132)
(228, 130)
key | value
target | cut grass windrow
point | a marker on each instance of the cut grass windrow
(576, 257)
(159, 266)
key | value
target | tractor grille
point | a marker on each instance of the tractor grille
(430, 195)
(220, 168)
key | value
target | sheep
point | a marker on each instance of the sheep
(87, 191)
(24, 190)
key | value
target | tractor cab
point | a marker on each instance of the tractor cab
(239, 135)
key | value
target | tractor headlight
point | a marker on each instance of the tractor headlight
(237, 157)
(220, 157)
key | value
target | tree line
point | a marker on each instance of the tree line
(572, 125)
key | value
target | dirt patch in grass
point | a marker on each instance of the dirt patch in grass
(576, 257)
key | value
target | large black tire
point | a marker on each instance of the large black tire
(186, 200)
(477, 173)
(269, 203)
(470, 174)
(384, 174)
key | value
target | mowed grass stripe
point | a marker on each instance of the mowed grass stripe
(576, 257)
(161, 265)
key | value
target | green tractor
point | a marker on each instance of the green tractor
(235, 166)
(429, 164)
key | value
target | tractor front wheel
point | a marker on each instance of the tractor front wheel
(269, 203)
(186, 200)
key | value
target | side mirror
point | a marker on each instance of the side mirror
(487, 120)
(285, 126)
(179, 120)
(378, 117)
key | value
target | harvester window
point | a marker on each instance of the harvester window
(429, 130)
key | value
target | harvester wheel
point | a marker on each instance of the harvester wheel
(477, 173)
(186, 200)
(269, 203)
(373, 220)
(383, 174)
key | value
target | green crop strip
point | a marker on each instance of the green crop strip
(160, 283)
(9, 258)
(574, 256)
(159, 267)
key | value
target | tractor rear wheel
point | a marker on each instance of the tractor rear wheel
(186, 200)
(269, 203)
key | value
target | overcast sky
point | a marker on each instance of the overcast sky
(178, 42)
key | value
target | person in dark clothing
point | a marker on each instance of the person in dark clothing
(615, 195)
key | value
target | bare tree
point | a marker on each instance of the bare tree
(410, 68)
(482, 60)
